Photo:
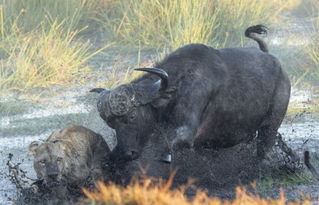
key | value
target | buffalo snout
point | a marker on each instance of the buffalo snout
(123, 155)
(131, 154)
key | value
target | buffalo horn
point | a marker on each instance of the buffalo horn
(97, 90)
(160, 73)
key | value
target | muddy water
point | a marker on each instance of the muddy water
(37, 123)
(18, 131)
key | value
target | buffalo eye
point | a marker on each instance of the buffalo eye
(131, 117)
(124, 120)
(110, 121)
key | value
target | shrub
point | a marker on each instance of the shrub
(44, 58)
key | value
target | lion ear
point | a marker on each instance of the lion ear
(33, 147)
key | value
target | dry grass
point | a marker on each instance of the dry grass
(40, 44)
(175, 23)
(312, 51)
(45, 58)
(146, 192)
(159, 23)
(29, 15)
(235, 16)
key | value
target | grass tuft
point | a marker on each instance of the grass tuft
(159, 24)
(44, 58)
(268, 183)
(40, 44)
(29, 15)
(235, 16)
(312, 51)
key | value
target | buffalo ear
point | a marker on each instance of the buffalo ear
(33, 147)
(97, 90)
(164, 97)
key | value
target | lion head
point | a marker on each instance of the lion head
(66, 156)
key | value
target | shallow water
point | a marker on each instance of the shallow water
(37, 123)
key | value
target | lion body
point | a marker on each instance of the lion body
(71, 155)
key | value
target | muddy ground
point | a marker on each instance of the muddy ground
(26, 118)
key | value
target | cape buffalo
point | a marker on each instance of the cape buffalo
(212, 97)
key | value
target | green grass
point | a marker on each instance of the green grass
(312, 52)
(41, 41)
(235, 16)
(28, 15)
(156, 24)
(302, 63)
(269, 182)
(44, 58)
(165, 23)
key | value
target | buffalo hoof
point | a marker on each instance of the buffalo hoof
(165, 158)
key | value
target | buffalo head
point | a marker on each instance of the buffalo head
(131, 109)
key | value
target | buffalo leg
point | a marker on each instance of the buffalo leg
(184, 137)
(188, 113)
(269, 127)
(265, 140)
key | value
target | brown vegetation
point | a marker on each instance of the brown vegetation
(149, 193)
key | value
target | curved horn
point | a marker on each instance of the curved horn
(160, 73)
(97, 90)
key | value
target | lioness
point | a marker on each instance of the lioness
(70, 157)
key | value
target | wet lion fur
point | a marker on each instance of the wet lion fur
(74, 154)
